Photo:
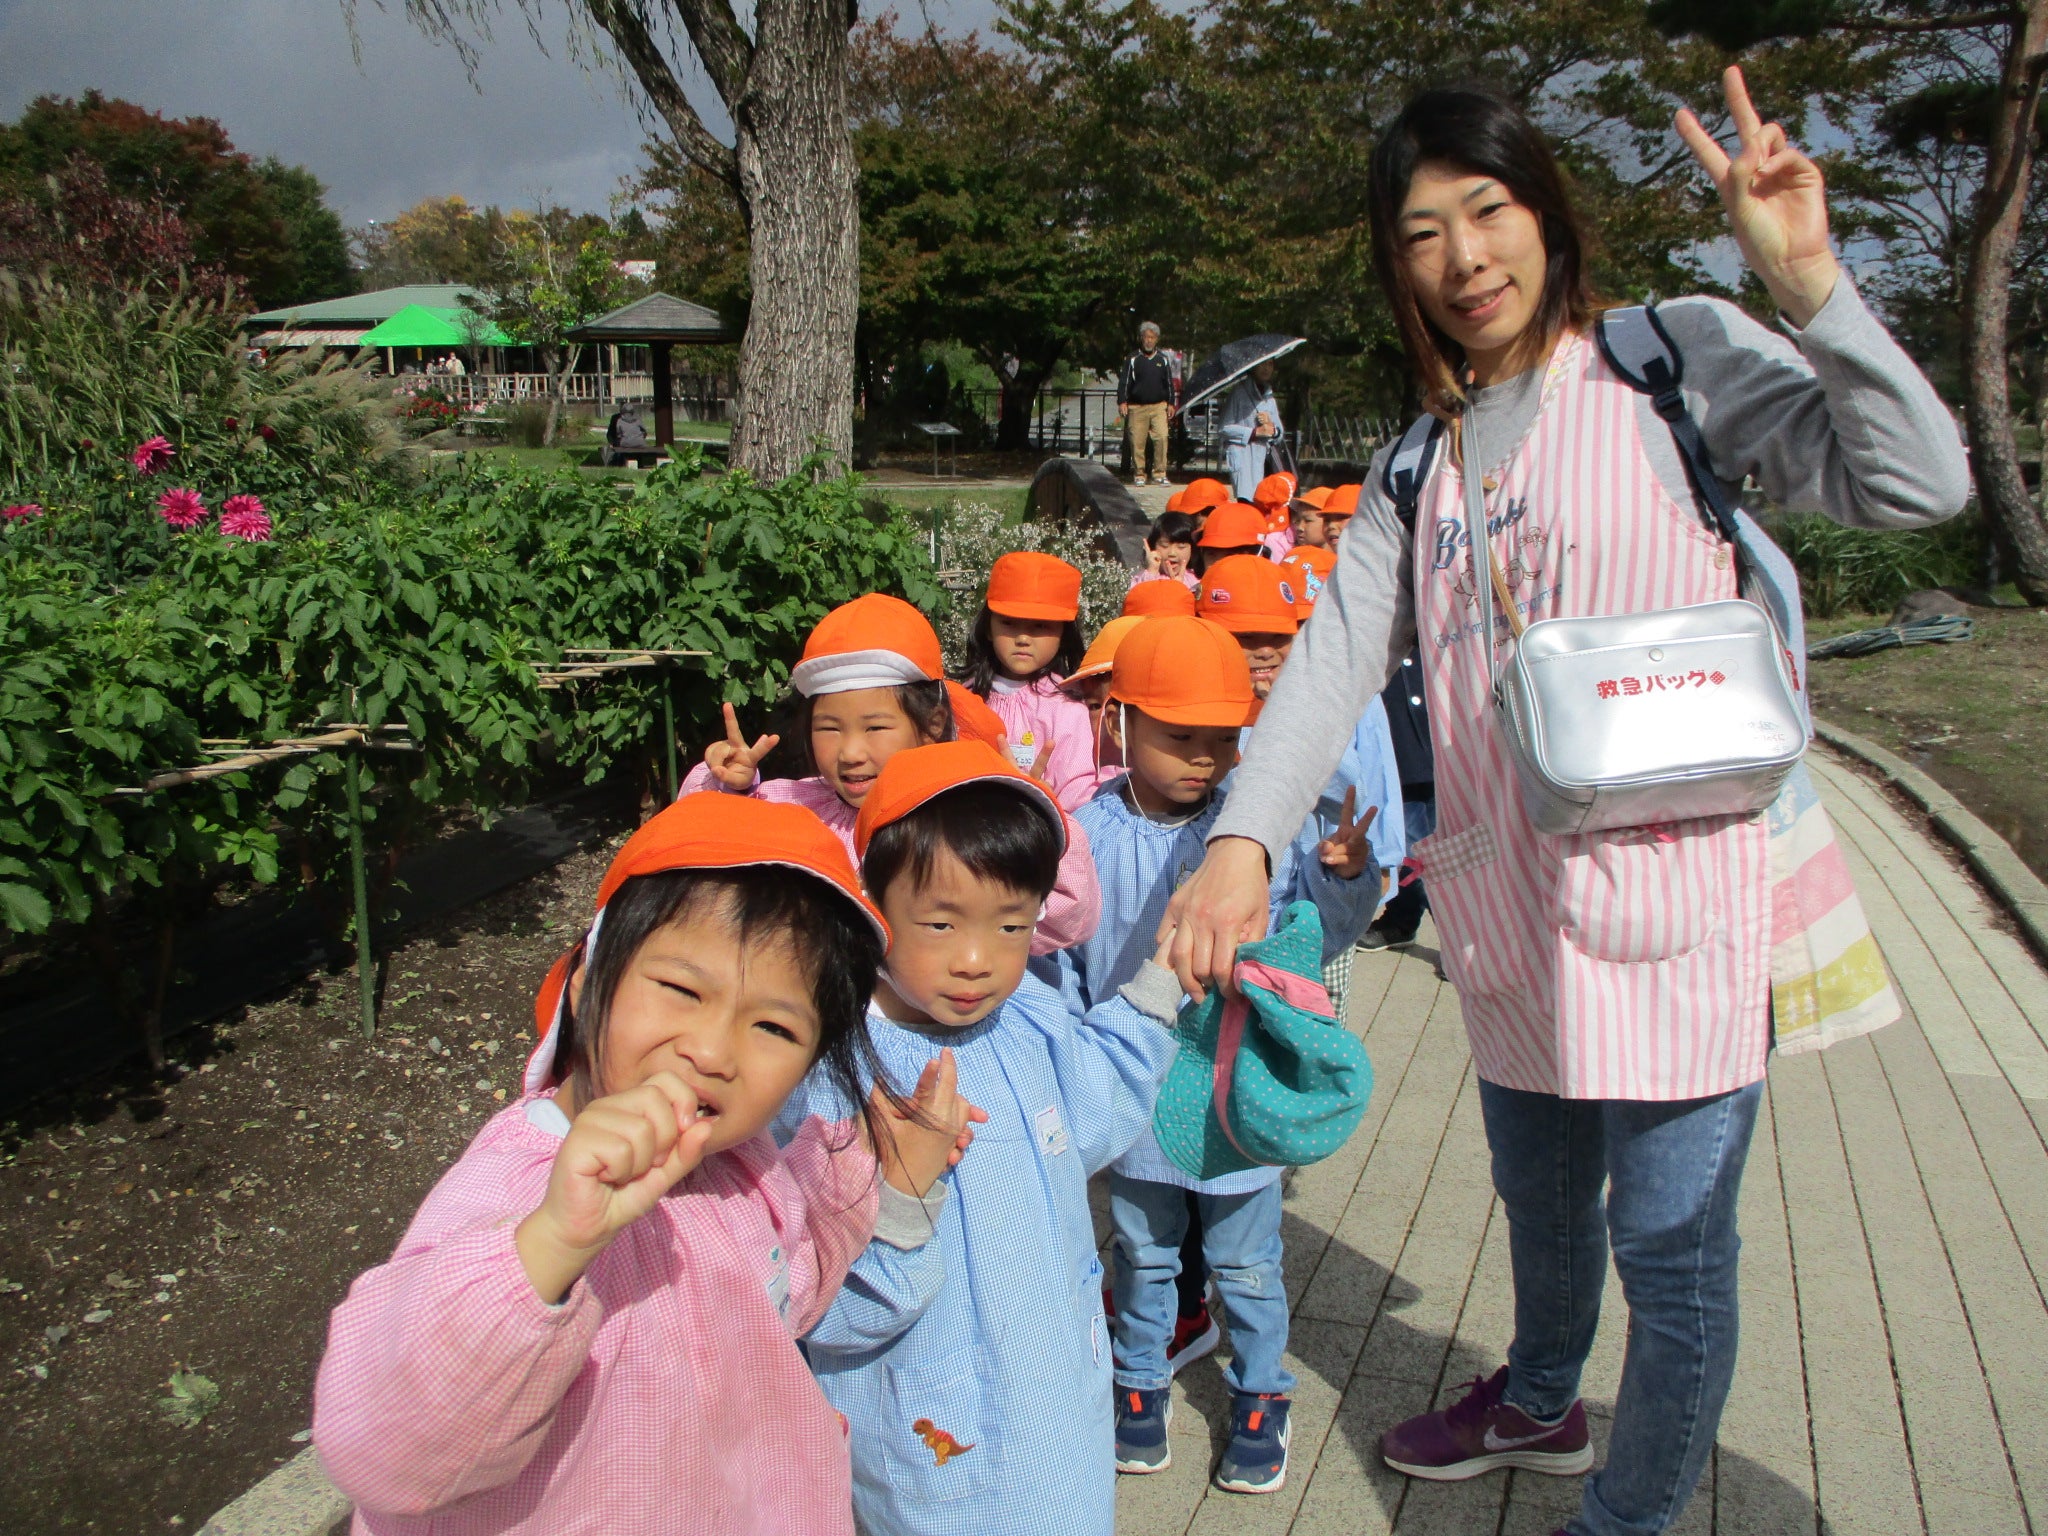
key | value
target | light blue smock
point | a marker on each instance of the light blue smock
(992, 1335)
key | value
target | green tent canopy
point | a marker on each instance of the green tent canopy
(418, 325)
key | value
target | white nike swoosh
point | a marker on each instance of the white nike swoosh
(1494, 1442)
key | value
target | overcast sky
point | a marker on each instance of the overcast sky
(406, 123)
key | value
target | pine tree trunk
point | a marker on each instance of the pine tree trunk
(797, 184)
(1987, 291)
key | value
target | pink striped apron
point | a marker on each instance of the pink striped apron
(1613, 965)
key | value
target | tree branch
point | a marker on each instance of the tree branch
(627, 27)
(1901, 25)
(722, 43)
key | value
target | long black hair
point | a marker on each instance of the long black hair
(1479, 132)
(982, 669)
(761, 905)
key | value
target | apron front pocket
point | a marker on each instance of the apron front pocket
(1641, 895)
(933, 1434)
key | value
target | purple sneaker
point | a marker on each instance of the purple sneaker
(1479, 1432)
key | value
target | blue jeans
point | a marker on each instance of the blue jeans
(1672, 1172)
(1240, 1245)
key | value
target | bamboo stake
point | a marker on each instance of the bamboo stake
(366, 974)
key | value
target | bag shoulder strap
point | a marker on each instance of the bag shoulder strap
(1408, 467)
(1641, 351)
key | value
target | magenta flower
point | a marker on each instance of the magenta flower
(21, 510)
(243, 517)
(152, 454)
(182, 508)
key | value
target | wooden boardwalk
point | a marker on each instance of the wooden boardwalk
(1894, 1371)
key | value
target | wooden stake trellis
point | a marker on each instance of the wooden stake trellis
(350, 740)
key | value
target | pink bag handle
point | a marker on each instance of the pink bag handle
(1296, 991)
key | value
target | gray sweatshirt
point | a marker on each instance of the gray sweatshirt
(1836, 420)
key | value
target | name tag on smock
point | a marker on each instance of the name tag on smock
(1052, 1135)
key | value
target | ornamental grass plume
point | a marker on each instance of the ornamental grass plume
(152, 454)
(21, 511)
(243, 517)
(182, 508)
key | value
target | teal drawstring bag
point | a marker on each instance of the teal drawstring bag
(1269, 1078)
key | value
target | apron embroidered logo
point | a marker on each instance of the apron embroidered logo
(943, 1446)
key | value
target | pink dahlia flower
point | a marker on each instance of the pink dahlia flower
(182, 508)
(243, 517)
(21, 510)
(152, 454)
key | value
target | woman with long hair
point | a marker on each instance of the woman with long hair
(1621, 989)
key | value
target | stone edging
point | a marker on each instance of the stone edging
(2016, 887)
(295, 1500)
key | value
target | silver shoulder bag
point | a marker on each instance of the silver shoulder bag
(1629, 720)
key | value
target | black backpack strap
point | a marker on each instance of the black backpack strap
(1408, 466)
(1638, 348)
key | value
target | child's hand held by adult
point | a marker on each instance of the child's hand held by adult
(622, 1154)
(1345, 851)
(1776, 200)
(732, 762)
(915, 1156)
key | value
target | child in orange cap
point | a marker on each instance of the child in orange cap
(974, 1374)
(870, 683)
(1025, 640)
(630, 1204)
(1169, 546)
(1315, 565)
(1181, 696)
(1090, 684)
(1155, 599)
(1338, 512)
(1306, 514)
(1272, 496)
(1233, 529)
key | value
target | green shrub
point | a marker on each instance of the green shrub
(1856, 570)
(973, 535)
(526, 423)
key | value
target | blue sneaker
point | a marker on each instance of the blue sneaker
(1255, 1461)
(1141, 1421)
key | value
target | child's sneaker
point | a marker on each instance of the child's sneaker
(1142, 1419)
(1479, 1432)
(1255, 1461)
(1193, 1337)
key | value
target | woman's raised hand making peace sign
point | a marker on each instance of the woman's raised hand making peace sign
(1776, 201)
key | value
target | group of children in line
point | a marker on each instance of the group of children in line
(790, 1228)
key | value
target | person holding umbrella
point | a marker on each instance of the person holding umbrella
(1251, 426)
(1622, 989)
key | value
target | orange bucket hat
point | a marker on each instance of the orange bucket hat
(875, 641)
(1343, 501)
(1149, 599)
(1249, 596)
(1203, 495)
(1185, 671)
(1315, 566)
(1028, 585)
(974, 720)
(1234, 525)
(702, 832)
(916, 774)
(1103, 650)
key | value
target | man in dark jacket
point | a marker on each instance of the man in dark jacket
(1147, 395)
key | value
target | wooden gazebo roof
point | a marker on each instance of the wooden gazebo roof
(658, 317)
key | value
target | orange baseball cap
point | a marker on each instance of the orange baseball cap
(1319, 498)
(1315, 565)
(1185, 671)
(1234, 525)
(972, 719)
(1147, 599)
(702, 831)
(1249, 596)
(1274, 491)
(875, 641)
(1177, 502)
(1203, 495)
(1028, 585)
(1343, 501)
(916, 774)
(1103, 651)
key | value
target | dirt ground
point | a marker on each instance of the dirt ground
(206, 1224)
(1974, 716)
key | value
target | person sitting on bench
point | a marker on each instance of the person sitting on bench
(625, 439)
